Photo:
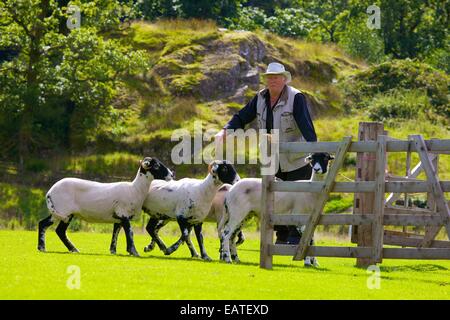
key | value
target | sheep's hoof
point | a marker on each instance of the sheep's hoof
(134, 253)
(148, 248)
(311, 262)
(206, 258)
(112, 251)
(235, 258)
(225, 258)
(41, 248)
(74, 250)
(168, 251)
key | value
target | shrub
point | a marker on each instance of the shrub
(361, 89)
(361, 42)
(398, 104)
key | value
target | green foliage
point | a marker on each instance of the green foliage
(21, 207)
(413, 28)
(399, 105)
(118, 164)
(440, 58)
(359, 41)
(289, 22)
(400, 74)
(58, 90)
(249, 18)
(338, 203)
(292, 22)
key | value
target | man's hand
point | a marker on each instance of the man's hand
(220, 136)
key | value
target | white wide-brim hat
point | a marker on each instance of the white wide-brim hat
(278, 68)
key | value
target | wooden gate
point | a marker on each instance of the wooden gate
(377, 213)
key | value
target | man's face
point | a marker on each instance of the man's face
(275, 82)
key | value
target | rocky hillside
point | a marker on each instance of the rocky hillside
(201, 72)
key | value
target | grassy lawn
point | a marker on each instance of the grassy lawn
(29, 274)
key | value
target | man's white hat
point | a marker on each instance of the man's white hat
(278, 68)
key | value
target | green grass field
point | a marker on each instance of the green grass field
(29, 274)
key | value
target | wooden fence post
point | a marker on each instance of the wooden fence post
(380, 174)
(364, 202)
(267, 209)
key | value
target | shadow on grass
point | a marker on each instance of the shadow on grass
(358, 272)
(415, 268)
(89, 254)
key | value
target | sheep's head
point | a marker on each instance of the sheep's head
(223, 172)
(319, 161)
(156, 168)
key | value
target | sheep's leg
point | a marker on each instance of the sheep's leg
(131, 249)
(241, 238)
(61, 232)
(311, 261)
(174, 247)
(233, 250)
(185, 229)
(189, 243)
(152, 229)
(115, 234)
(43, 225)
(227, 234)
(199, 235)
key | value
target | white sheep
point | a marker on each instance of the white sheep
(218, 209)
(100, 202)
(214, 215)
(188, 201)
(245, 197)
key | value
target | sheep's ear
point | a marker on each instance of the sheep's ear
(308, 158)
(212, 167)
(330, 157)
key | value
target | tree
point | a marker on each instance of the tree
(59, 87)
(413, 28)
(333, 14)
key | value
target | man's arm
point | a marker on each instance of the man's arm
(303, 119)
(244, 116)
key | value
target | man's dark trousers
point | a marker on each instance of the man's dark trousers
(290, 234)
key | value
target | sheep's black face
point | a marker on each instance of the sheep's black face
(156, 168)
(224, 172)
(319, 162)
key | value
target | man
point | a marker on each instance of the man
(282, 107)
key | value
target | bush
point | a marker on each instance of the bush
(291, 22)
(36, 165)
(361, 42)
(399, 104)
(405, 75)
(249, 18)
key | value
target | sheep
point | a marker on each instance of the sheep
(214, 215)
(217, 210)
(188, 201)
(100, 202)
(245, 197)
